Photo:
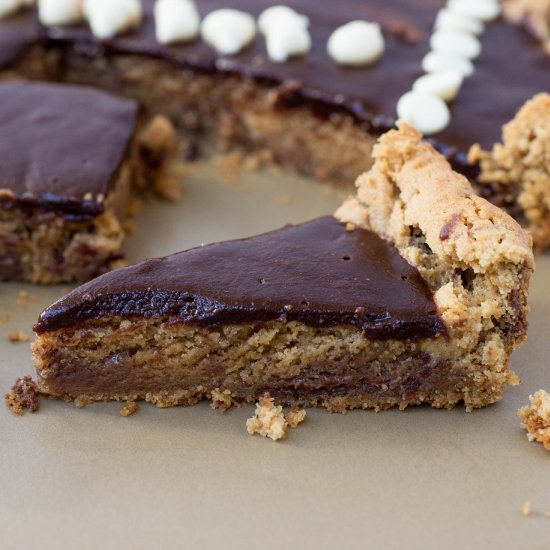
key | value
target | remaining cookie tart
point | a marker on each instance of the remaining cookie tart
(310, 112)
(415, 294)
(69, 158)
(515, 174)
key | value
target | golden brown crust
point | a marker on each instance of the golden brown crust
(411, 185)
(520, 165)
(535, 418)
(178, 364)
(476, 259)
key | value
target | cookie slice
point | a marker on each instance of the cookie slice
(69, 159)
(415, 293)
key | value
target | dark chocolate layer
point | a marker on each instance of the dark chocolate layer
(316, 273)
(511, 69)
(59, 144)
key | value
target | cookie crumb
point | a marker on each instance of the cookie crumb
(129, 409)
(229, 166)
(168, 182)
(23, 395)
(157, 143)
(535, 418)
(350, 227)
(526, 508)
(257, 160)
(268, 420)
(82, 401)
(129, 227)
(18, 336)
(221, 400)
(284, 200)
(134, 206)
(24, 298)
(295, 416)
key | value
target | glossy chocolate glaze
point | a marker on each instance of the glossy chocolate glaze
(60, 143)
(316, 273)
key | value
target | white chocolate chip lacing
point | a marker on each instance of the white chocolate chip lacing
(484, 10)
(286, 33)
(7, 7)
(107, 18)
(227, 30)
(276, 16)
(428, 113)
(444, 84)
(357, 43)
(60, 12)
(450, 19)
(176, 21)
(454, 45)
(455, 42)
(434, 62)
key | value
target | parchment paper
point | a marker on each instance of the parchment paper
(193, 478)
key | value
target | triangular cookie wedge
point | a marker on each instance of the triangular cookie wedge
(414, 293)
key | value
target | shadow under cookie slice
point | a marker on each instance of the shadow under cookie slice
(416, 294)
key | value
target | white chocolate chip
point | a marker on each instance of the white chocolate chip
(449, 19)
(176, 21)
(227, 30)
(285, 33)
(445, 84)
(455, 42)
(427, 113)
(60, 12)
(107, 18)
(288, 40)
(277, 16)
(357, 43)
(8, 7)
(440, 61)
(484, 10)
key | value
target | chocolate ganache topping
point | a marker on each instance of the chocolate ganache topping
(510, 70)
(317, 273)
(61, 145)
